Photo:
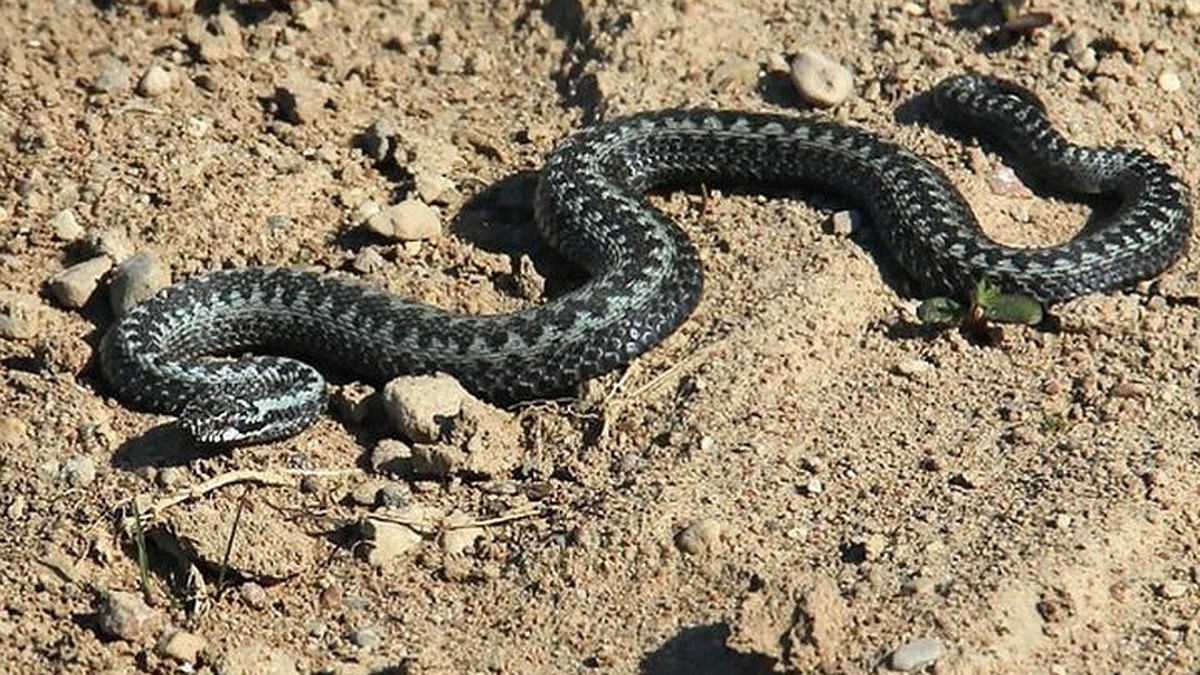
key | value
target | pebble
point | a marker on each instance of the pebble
(813, 487)
(820, 80)
(16, 510)
(920, 585)
(1130, 390)
(389, 539)
(418, 407)
(170, 477)
(79, 471)
(700, 536)
(410, 220)
(459, 535)
(845, 223)
(126, 616)
(1079, 50)
(916, 654)
(73, 286)
(300, 99)
(181, 646)
(368, 637)
(217, 40)
(379, 141)
(1169, 81)
(135, 280)
(391, 456)
(65, 226)
(393, 494)
(18, 316)
(156, 81)
(1173, 589)
(253, 594)
(913, 368)
(112, 242)
(434, 188)
(368, 260)
(366, 493)
(114, 77)
(48, 470)
(354, 402)
(1005, 182)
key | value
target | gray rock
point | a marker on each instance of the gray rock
(368, 637)
(135, 280)
(125, 616)
(79, 471)
(114, 77)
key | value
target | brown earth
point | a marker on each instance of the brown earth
(797, 479)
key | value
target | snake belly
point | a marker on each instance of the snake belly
(645, 275)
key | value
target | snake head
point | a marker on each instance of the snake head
(225, 419)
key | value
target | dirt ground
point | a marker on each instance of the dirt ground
(797, 480)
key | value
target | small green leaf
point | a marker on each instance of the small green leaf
(1013, 309)
(941, 311)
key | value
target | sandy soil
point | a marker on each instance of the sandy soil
(797, 480)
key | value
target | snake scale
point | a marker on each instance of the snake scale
(645, 275)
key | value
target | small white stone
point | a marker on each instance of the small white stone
(410, 220)
(916, 654)
(66, 226)
(913, 368)
(700, 536)
(1169, 81)
(820, 80)
(844, 223)
(156, 81)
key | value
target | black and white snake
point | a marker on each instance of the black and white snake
(645, 274)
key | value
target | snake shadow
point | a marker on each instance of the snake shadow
(701, 650)
(161, 446)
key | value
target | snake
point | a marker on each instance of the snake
(237, 354)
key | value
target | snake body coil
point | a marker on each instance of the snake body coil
(645, 274)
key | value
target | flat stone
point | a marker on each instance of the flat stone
(821, 81)
(916, 654)
(73, 286)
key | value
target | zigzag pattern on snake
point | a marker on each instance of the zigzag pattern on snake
(645, 274)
